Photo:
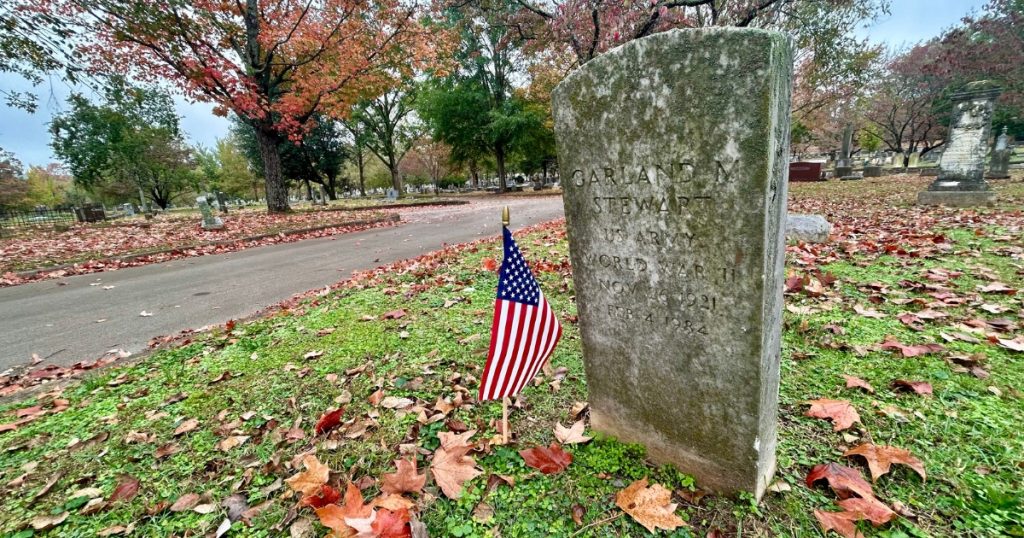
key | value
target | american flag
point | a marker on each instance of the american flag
(524, 332)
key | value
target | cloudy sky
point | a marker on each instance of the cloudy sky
(26, 134)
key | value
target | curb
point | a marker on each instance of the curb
(132, 257)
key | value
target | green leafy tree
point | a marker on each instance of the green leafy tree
(130, 142)
(389, 129)
(48, 185)
(13, 187)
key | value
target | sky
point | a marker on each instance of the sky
(26, 135)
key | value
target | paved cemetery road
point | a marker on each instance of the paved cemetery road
(58, 318)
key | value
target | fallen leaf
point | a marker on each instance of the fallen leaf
(329, 421)
(185, 503)
(845, 481)
(231, 442)
(856, 382)
(651, 506)
(308, 482)
(840, 412)
(236, 505)
(910, 350)
(880, 458)
(394, 314)
(405, 480)
(127, 488)
(43, 523)
(571, 435)
(548, 460)
(322, 497)
(334, 516)
(186, 426)
(841, 522)
(451, 466)
(391, 524)
(870, 509)
(919, 387)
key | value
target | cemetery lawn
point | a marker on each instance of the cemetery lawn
(400, 349)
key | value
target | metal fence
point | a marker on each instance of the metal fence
(11, 221)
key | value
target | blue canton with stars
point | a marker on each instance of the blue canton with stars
(515, 282)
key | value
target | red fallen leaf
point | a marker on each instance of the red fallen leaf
(845, 481)
(229, 326)
(490, 264)
(910, 350)
(920, 387)
(856, 382)
(126, 489)
(870, 509)
(841, 522)
(326, 495)
(394, 314)
(794, 284)
(333, 516)
(329, 421)
(880, 458)
(548, 460)
(390, 524)
(840, 412)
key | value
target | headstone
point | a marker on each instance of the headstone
(961, 181)
(392, 194)
(807, 228)
(914, 159)
(805, 171)
(872, 170)
(999, 168)
(210, 222)
(675, 202)
(222, 201)
(844, 167)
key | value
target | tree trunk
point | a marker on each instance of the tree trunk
(309, 190)
(331, 187)
(396, 179)
(499, 158)
(362, 175)
(276, 190)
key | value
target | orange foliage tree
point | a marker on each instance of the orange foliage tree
(274, 63)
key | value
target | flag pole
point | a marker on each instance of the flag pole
(504, 401)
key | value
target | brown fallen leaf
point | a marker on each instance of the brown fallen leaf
(548, 460)
(308, 482)
(856, 382)
(127, 488)
(406, 480)
(869, 508)
(230, 442)
(880, 458)
(651, 506)
(166, 450)
(841, 522)
(186, 426)
(571, 435)
(840, 412)
(451, 466)
(919, 387)
(47, 522)
(185, 503)
(907, 351)
(845, 481)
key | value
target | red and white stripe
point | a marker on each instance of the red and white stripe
(522, 339)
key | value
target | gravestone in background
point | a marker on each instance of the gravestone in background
(210, 221)
(999, 167)
(961, 180)
(844, 166)
(673, 156)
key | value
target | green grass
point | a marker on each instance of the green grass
(967, 435)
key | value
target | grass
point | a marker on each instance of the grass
(967, 434)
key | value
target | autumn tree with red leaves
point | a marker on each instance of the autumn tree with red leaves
(274, 63)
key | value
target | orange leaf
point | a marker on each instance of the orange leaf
(548, 460)
(840, 412)
(405, 480)
(881, 458)
(870, 509)
(856, 382)
(490, 264)
(841, 522)
(451, 466)
(333, 516)
(651, 506)
(324, 496)
(390, 524)
(329, 421)
(309, 481)
(845, 481)
(920, 387)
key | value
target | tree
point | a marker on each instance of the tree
(457, 112)
(429, 158)
(130, 143)
(359, 138)
(13, 188)
(389, 128)
(909, 103)
(33, 44)
(48, 185)
(275, 63)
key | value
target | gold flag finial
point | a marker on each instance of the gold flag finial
(504, 216)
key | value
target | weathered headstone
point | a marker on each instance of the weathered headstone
(210, 221)
(222, 201)
(914, 159)
(807, 228)
(674, 154)
(999, 167)
(844, 167)
(961, 181)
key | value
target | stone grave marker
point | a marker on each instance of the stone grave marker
(999, 167)
(210, 221)
(673, 153)
(961, 181)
